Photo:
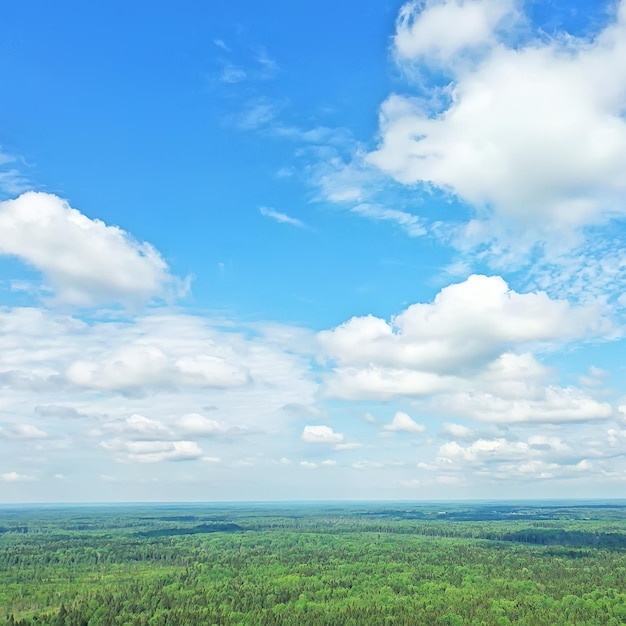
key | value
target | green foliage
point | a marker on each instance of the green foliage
(351, 565)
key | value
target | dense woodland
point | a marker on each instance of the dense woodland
(365, 564)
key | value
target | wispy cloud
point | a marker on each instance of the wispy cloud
(256, 115)
(12, 180)
(220, 43)
(246, 64)
(268, 65)
(410, 223)
(283, 218)
(233, 74)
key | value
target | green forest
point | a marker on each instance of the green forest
(314, 564)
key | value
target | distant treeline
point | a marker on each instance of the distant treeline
(218, 527)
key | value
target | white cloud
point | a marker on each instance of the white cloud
(282, 218)
(584, 465)
(140, 368)
(154, 451)
(321, 434)
(492, 449)
(308, 465)
(134, 402)
(467, 322)
(23, 432)
(256, 115)
(370, 382)
(403, 423)
(12, 477)
(412, 483)
(430, 348)
(12, 181)
(297, 409)
(515, 388)
(551, 405)
(439, 29)
(198, 425)
(233, 74)
(458, 431)
(538, 457)
(220, 43)
(349, 445)
(533, 136)
(85, 261)
(137, 427)
(268, 64)
(366, 465)
(62, 412)
(410, 223)
(445, 479)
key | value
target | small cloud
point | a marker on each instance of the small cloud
(138, 427)
(13, 477)
(23, 431)
(594, 378)
(369, 418)
(154, 451)
(402, 423)
(364, 465)
(267, 63)
(352, 445)
(308, 465)
(459, 269)
(211, 459)
(410, 223)
(255, 115)
(457, 431)
(448, 480)
(12, 181)
(221, 44)
(282, 218)
(321, 434)
(53, 410)
(301, 410)
(198, 425)
(247, 462)
(232, 74)
(426, 466)
(411, 483)
(328, 463)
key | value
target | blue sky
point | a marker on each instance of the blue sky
(309, 251)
